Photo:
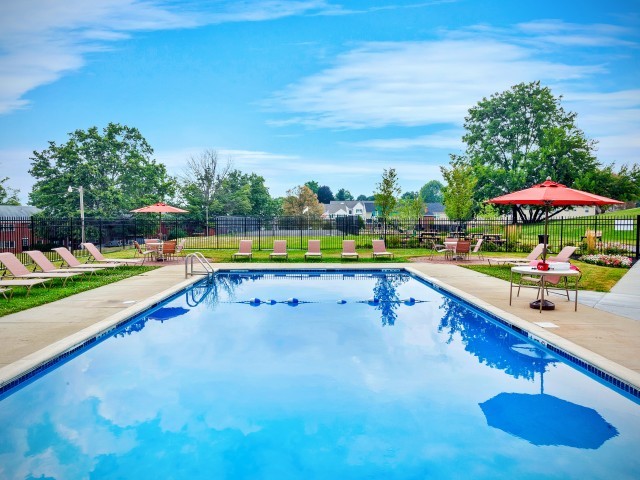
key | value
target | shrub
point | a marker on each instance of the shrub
(607, 260)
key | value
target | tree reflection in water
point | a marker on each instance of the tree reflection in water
(491, 344)
(385, 291)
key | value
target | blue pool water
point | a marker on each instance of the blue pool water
(375, 376)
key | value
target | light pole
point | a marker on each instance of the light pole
(81, 192)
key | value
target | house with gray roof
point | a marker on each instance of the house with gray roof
(349, 208)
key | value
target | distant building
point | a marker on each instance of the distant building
(349, 208)
(15, 227)
(436, 210)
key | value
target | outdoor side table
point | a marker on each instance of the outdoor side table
(528, 270)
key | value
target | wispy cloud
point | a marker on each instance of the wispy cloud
(449, 140)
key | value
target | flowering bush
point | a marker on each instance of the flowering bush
(607, 260)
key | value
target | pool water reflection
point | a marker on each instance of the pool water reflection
(366, 376)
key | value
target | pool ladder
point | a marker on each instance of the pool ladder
(189, 261)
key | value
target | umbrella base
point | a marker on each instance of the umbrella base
(547, 305)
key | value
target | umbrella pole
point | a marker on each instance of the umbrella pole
(546, 230)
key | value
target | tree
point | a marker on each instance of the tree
(387, 192)
(411, 206)
(623, 185)
(115, 168)
(431, 192)
(343, 195)
(202, 179)
(458, 193)
(313, 186)
(325, 195)
(519, 137)
(8, 196)
(409, 196)
(302, 201)
(362, 198)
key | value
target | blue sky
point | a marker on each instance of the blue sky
(327, 90)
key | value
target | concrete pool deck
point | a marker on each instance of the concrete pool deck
(607, 340)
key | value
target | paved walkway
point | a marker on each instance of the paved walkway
(607, 336)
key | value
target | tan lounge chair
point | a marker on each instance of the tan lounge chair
(477, 248)
(244, 250)
(279, 249)
(23, 282)
(535, 253)
(380, 250)
(349, 249)
(180, 247)
(564, 255)
(96, 255)
(45, 265)
(17, 269)
(4, 291)
(313, 250)
(71, 261)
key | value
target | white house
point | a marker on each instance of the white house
(349, 208)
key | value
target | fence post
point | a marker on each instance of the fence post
(637, 237)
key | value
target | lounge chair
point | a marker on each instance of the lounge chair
(535, 253)
(17, 269)
(279, 249)
(477, 248)
(313, 249)
(349, 249)
(4, 291)
(96, 255)
(45, 265)
(564, 255)
(71, 261)
(244, 250)
(144, 253)
(180, 247)
(380, 250)
(7, 284)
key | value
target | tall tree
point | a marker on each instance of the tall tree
(343, 195)
(114, 167)
(458, 193)
(313, 186)
(325, 195)
(8, 196)
(519, 137)
(623, 185)
(202, 179)
(411, 206)
(302, 201)
(431, 192)
(387, 193)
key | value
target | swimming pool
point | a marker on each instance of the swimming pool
(317, 375)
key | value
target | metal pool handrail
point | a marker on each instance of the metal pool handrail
(204, 263)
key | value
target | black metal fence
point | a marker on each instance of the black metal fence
(595, 234)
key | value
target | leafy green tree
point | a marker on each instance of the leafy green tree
(313, 186)
(517, 138)
(431, 192)
(202, 179)
(369, 198)
(343, 195)
(623, 185)
(114, 167)
(302, 201)
(458, 193)
(325, 195)
(411, 206)
(387, 193)
(8, 196)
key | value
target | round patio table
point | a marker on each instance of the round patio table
(533, 271)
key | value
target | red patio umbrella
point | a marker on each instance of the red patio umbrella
(159, 208)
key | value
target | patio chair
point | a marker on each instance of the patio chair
(23, 282)
(549, 280)
(17, 269)
(96, 255)
(380, 250)
(535, 253)
(463, 248)
(71, 261)
(477, 248)
(244, 250)
(180, 247)
(45, 265)
(168, 250)
(143, 253)
(443, 248)
(313, 250)
(279, 249)
(349, 249)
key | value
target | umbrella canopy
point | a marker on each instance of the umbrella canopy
(165, 313)
(551, 194)
(547, 420)
(159, 208)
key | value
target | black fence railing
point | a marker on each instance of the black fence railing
(595, 234)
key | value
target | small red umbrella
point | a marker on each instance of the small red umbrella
(159, 208)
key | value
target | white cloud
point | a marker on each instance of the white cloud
(449, 140)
